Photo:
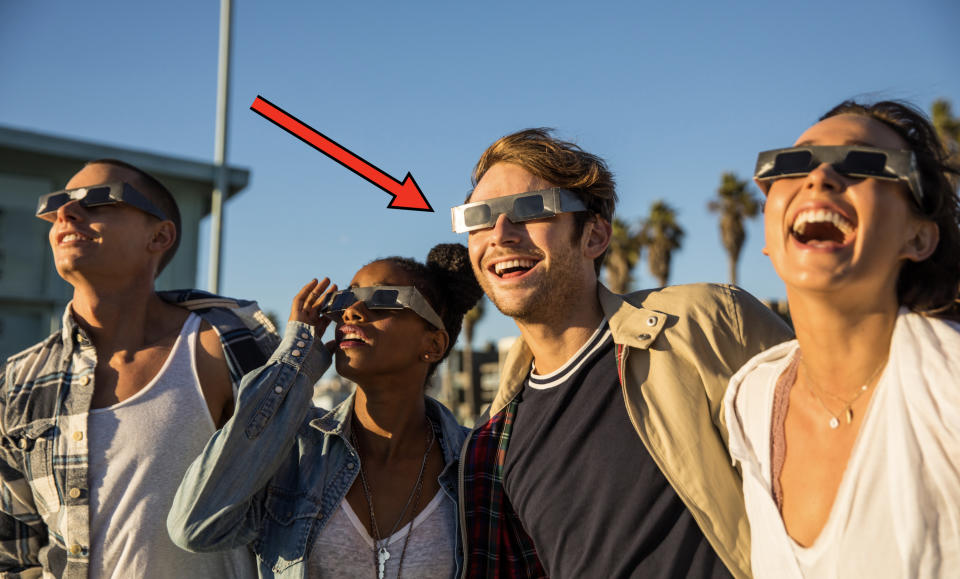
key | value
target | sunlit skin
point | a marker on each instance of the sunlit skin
(555, 302)
(843, 303)
(112, 266)
(389, 362)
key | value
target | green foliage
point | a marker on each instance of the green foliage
(661, 234)
(735, 202)
(623, 254)
(948, 127)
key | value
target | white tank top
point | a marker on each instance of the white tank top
(139, 450)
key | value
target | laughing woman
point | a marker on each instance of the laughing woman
(849, 436)
(368, 489)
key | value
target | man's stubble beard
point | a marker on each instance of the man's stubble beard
(552, 296)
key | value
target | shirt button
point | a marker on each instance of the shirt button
(651, 321)
(295, 353)
(304, 335)
(301, 344)
(75, 549)
(78, 436)
(74, 493)
(350, 465)
(278, 389)
(85, 380)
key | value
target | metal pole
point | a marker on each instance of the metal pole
(221, 183)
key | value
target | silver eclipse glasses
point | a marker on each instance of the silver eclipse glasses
(104, 194)
(852, 161)
(518, 208)
(381, 297)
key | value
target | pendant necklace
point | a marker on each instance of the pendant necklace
(847, 410)
(380, 552)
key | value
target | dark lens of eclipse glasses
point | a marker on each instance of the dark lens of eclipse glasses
(382, 299)
(793, 162)
(528, 207)
(864, 163)
(476, 215)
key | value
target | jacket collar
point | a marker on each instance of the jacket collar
(630, 325)
(338, 422)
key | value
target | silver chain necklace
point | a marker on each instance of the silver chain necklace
(847, 410)
(380, 552)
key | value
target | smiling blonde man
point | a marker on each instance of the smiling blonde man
(603, 452)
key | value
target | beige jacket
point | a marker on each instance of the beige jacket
(677, 347)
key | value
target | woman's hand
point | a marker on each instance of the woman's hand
(306, 304)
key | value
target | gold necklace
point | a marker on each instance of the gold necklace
(847, 410)
(380, 552)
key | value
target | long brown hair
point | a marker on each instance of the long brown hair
(931, 286)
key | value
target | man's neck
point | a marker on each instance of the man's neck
(121, 318)
(556, 339)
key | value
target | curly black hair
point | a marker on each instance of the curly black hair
(446, 280)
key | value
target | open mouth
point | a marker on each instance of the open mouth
(350, 337)
(821, 227)
(512, 268)
(74, 236)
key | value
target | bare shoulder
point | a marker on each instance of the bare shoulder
(214, 375)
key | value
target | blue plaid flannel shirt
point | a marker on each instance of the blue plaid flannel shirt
(45, 395)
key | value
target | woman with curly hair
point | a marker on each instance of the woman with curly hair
(368, 489)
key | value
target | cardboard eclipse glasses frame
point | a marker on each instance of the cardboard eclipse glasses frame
(97, 195)
(852, 161)
(381, 297)
(518, 208)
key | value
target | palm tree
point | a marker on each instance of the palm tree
(734, 202)
(622, 255)
(470, 320)
(948, 127)
(661, 235)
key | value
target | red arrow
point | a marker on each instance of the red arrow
(406, 195)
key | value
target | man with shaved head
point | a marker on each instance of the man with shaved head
(99, 421)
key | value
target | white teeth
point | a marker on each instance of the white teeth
(73, 237)
(821, 216)
(525, 263)
(352, 336)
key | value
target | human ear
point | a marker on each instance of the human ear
(164, 236)
(922, 240)
(596, 236)
(435, 344)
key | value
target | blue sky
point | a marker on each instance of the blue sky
(671, 94)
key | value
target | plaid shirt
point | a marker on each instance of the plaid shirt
(496, 547)
(45, 396)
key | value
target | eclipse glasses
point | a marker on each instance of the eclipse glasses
(105, 194)
(518, 208)
(381, 297)
(852, 161)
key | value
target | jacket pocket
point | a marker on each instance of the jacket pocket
(36, 442)
(286, 528)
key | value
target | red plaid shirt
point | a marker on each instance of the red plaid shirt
(496, 547)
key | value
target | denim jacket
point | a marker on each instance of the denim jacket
(275, 473)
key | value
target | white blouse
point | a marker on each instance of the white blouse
(897, 509)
